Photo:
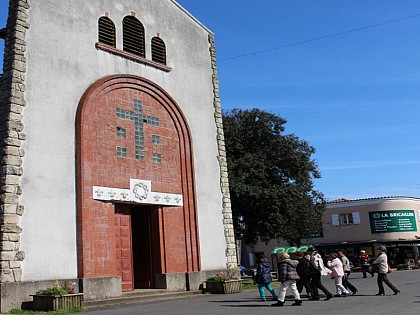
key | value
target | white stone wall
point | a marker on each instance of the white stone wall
(62, 63)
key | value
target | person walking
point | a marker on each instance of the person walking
(382, 266)
(347, 271)
(364, 261)
(316, 270)
(337, 273)
(287, 278)
(302, 270)
(263, 278)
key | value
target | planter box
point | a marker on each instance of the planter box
(56, 302)
(224, 287)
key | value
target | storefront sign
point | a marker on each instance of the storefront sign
(392, 221)
(290, 249)
(402, 245)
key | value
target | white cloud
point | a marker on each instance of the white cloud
(367, 164)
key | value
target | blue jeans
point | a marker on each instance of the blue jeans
(267, 286)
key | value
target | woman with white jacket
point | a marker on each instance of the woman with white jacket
(337, 273)
(316, 271)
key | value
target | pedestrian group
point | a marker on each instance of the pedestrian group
(305, 270)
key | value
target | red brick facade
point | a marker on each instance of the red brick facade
(105, 243)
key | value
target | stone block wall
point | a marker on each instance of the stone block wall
(232, 261)
(12, 102)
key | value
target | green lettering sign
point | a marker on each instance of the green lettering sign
(392, 221)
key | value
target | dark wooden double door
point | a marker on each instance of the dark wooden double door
(135, 250)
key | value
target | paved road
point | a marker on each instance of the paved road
(365, 302)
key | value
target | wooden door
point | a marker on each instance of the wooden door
(124, 259)
(142, 247)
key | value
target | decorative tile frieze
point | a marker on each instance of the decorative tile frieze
(140, 191)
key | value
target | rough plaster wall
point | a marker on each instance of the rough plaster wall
(62, 64)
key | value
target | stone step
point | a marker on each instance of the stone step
(139, 296)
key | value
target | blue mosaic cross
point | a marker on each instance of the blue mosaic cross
(139, 121)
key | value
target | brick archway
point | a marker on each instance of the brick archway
(129, 127)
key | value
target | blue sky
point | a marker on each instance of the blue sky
(355, 97)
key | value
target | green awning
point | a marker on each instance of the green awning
(290, 249)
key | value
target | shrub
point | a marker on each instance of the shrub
(58, 289)
(223, 276)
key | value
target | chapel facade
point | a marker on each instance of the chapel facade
(113, 166)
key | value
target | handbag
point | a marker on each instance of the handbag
(389, 269)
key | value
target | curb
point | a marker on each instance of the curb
(140, 297)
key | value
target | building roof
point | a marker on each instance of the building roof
(191, 16)
(342, 200)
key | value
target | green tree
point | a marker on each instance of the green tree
(271, 179)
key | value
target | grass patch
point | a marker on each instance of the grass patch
(248, 284)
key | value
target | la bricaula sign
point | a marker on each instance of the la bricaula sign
(392, 221)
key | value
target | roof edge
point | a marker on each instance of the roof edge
(362, 201)
(192, 17)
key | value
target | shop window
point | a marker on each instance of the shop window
(106, 31)
(133, 36)
(345, 218)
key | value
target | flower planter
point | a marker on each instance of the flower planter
(56, 302)
(224, 287)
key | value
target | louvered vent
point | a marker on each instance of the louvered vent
(106, 31)
(158, 50)
(133, 36)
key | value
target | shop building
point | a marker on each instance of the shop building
(353, 225)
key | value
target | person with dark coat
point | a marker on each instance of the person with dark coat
(302, 270)
(287, 278)
(263, 278)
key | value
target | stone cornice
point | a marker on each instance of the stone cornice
(132, 57)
